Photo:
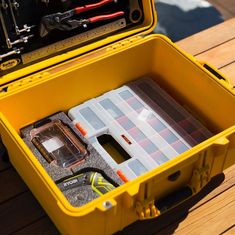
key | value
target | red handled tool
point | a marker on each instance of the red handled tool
(64, 21)
(89, 7)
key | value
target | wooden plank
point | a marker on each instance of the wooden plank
(229, 5)
(230, 231)
(43, 226)
(222, 9)
(221, 55)
(19, 212)
(214, 217)
(209, 38)
(229, 71)
(11, 185)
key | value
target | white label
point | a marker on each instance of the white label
(145, 113)
(53, 144)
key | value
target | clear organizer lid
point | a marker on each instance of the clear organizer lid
(144, 121)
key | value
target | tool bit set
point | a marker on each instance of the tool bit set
(51, 26)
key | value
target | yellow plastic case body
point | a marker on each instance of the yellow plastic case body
(62, 86)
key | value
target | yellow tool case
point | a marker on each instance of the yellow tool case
(79, 73)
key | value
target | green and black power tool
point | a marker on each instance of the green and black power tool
(97, 182)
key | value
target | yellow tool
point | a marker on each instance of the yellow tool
(97, 182)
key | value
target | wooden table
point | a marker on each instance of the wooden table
(211, 212)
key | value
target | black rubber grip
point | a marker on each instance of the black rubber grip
(173, 199)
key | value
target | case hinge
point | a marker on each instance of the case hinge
(125, 42)
(22, 82)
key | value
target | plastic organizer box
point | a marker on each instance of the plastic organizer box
(148, 124)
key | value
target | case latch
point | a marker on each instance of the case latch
(146, 210)
(199, 178)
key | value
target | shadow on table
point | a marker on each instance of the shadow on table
(178, 22)
(168, 222)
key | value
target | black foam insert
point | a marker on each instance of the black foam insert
(94, 162)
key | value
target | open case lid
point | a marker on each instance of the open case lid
(13, 68)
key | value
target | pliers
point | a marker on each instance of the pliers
(63, 21)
